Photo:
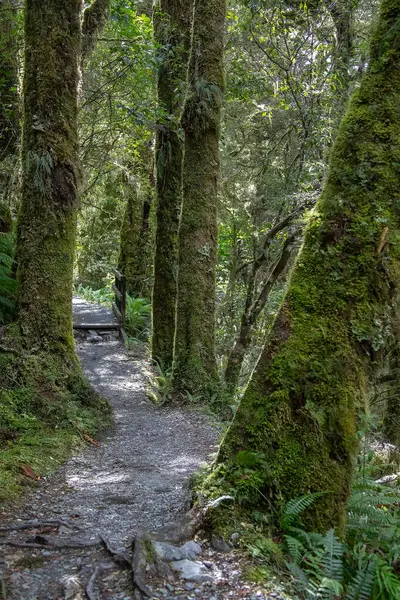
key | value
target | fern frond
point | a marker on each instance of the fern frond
(295, 507)
(295, 548)
(332, 561)
(360, 587)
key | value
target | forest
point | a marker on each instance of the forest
(200, 299)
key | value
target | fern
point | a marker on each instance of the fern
(294, 508)
(332, 560)
(362, 565)
(360, 587)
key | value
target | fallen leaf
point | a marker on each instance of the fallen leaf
(29, 472)
(88, 438)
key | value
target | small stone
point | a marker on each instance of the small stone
(220, 544)
(208, 564)
(189, 586)
(191, 570)
(235, 536)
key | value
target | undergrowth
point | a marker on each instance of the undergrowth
(361, 564)
(47, 407)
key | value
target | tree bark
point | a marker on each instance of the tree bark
(194, 369)
(172, 32)
(137, 233)
(9, 128)
(254, 307)
(9, 102)
(299, 412)
(94, 21)
(50, 174)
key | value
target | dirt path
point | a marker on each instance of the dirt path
(137, 478)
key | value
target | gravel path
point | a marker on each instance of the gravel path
(137, 478)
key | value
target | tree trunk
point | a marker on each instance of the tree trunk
(254, 307)
(9, 127)
(94, 21)
(136, 253)
(299, 413)
(172, 31)
(47, 221)
(194, 368)
(9, 105)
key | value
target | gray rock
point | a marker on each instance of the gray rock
(94, 339)
(190, 550)
(220, 544)
(191, 570)
(169, 552)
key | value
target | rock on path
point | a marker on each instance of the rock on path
(137, 478)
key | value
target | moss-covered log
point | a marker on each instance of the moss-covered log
(299, 414)
(172, 32)
(194, 367)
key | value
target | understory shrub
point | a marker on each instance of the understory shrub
(363, 564)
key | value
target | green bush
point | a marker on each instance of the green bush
(138, 317)
(104, 295)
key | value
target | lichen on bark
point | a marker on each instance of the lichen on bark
(299, 412)
(194, 368)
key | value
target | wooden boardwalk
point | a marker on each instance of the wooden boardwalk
(92, 316)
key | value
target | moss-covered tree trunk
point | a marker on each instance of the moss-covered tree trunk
(137, 233)
(299, 413)
(9, 104)
(172, 32)
(194, 369)
(9, 127)
(47, 221)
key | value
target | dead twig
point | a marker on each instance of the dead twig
(44, 541)
(36, 524)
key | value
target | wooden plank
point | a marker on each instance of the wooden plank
(117, 292)
(118, 274)
(94, 326)
(123, 336)
(117, 312)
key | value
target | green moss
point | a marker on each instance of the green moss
(137, 233)
(172, 30)
(44, 409)
(300, 409)
(194, 368)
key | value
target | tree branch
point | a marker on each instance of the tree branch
(94, 19)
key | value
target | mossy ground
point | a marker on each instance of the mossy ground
(46, 409)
